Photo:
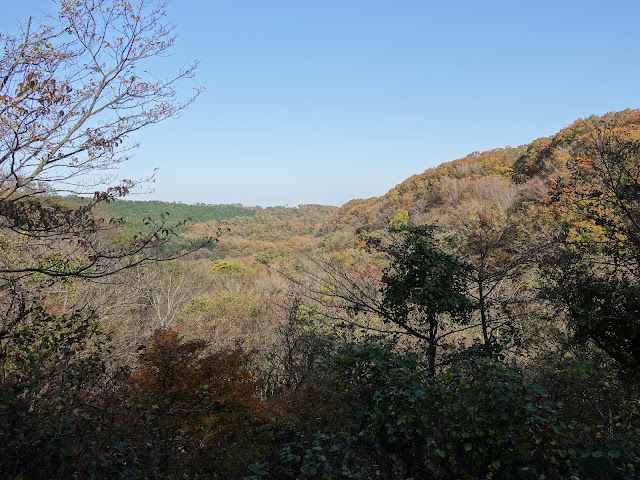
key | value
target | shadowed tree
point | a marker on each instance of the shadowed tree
(422, 286)
(419, 294)
(595, 275)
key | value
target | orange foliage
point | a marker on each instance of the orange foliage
(201, 401)
(591, 195)
(174, 372)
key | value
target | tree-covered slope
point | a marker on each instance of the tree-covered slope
(134, 212)
(529, 169)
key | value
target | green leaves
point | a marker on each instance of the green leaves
(421, 285)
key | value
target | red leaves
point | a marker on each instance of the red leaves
(586, 163)
(201, 401)
(180, 376)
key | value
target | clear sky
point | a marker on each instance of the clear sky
(323, 101)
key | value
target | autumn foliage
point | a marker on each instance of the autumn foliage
(480, 320)
(196, 405)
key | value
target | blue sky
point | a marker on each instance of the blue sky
(322, 101)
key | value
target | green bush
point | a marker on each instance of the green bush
(229, 266)
(479, 419)
(54, 422)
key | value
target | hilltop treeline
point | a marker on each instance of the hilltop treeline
(531, 169)
(133, 212)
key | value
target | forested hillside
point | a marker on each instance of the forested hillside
(479, 320)
(264, 233)
(529, 169)
(134, 213)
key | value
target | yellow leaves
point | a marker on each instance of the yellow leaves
(583, 231)
(400, 220)
(393, 196)
(229, 266)
(7, 100)
(501, 170)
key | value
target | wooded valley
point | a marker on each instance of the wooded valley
(479, 320)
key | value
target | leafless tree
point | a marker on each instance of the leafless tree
(72, 92)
